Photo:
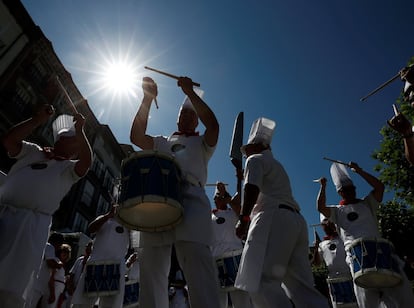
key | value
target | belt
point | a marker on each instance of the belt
(287, 207)
(59, 281)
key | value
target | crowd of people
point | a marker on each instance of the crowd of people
(229, 256)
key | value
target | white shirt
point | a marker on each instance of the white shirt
(357, 220)
(224, 232)
(43, 181)
(332, 251)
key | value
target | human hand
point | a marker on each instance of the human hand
(186, 84)
(322, 181)
(400, 124)
(354, 167)
(149, 87)
(407, 73)
(221, 188)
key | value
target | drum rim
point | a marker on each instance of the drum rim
(162, 228)
(370, 239)
(103, 262)
(360, 275)
(340, 279)
(150, 153)
(229, 254)
(149, 199)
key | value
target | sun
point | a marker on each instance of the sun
(119, 78)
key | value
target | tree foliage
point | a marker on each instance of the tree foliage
(396, 217)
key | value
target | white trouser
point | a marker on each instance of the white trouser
(286, 274)
(197, 264)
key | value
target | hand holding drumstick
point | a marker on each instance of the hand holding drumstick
(400, 123)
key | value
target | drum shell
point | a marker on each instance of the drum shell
(102, 278)
(227, 267)
(342, 291)
(374, 263)
(150, 195)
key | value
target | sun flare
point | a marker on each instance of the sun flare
(119, 78)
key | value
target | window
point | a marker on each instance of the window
(103, 206)
(98, 166)
(87, 195)
(80, 223)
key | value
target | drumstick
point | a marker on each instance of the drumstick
(67, 96)
(336, 161)
(395, 108)
(380, 87)
(211, 184)
(169, 75)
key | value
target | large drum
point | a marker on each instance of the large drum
(228, 266)
(102, 278)
(150, 197)
(374, 263)
(342, 292)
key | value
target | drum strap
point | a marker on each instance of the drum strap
(192, 180)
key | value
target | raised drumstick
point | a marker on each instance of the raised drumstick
(168, 74)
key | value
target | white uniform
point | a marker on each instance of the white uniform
(276, 249)
(110, 246)
(77, 269)
(332, 251)
(41, 284)
(30, 195)
(359, 221)
(225, 242)
(59, 279)
(191, 237)
(131, 280)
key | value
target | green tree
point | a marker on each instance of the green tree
(396, 217)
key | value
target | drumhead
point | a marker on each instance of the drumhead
(151, 216)
(377, 278)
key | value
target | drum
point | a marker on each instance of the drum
(227, 266)
(342, 291)
(374, 264)
(150, 197)
(101, 278)
(131, 293)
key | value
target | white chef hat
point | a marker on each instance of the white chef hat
(340, 176)
(63, 126)
(187, 102)
(261, 132)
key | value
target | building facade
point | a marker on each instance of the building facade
(30, 73)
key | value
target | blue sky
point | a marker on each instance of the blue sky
(304, 64)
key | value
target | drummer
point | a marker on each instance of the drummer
(356, 219)
(399, 122)
(109, 250)
(193, 235)
(331, 251)
(224, 217)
